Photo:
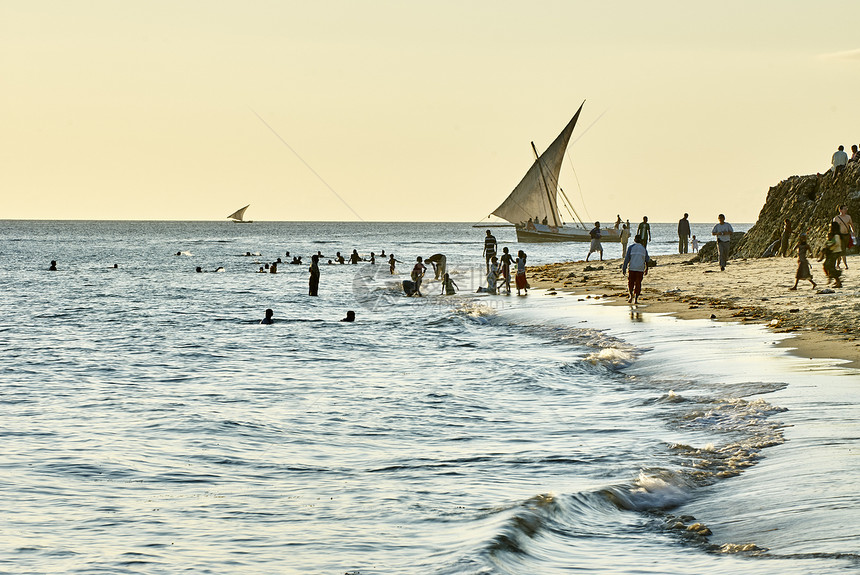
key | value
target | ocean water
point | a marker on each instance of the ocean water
(150, 424)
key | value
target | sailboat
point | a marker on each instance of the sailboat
(533, 205)
(239, 215)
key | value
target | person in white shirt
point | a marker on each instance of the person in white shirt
(839, 160)
(637, 260)
(723, 231)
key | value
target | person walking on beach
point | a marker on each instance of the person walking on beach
(595, 241)
(506, 261)
(644, 232)
(314, 281)
(785, 238)
(489, 248)
(832, 251)
(624, 236)
(839, 160)
(803, 271)
(637, 260)
(723, 231)
(683, 234)
(846, 231)
(520, 279)
(418, 274)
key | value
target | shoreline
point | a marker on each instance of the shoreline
(753, 290)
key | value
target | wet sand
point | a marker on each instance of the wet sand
(825, 325)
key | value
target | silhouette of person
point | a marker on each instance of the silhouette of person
(53, 267)
(350, 316)
(314, 281)
(268, 319)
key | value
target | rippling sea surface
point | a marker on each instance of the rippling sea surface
(150, 424)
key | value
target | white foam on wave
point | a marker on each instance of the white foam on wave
(611, 355)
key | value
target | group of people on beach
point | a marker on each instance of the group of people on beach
(502, 267)
(840, 238)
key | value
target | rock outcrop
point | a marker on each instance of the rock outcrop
(809, 202)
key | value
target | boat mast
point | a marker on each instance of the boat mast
(545, 185)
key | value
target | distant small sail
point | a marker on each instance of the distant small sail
(239, 215)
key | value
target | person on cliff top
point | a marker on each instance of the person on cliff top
(839, 160)
(683, 234)
(855, 154)
(595, 241)
(723, 231)
(784, 239)
(846, 231)
(637, 260)
(803, 271)
(644, 232)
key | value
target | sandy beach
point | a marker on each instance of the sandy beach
(826, 322)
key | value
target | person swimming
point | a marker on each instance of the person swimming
(350, 316)
(53, 267)
(268, 319)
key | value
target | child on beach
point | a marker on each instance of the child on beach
(694, 243)
(418, 274)
(493, 275)
(803, 271)
(520, 280)
(507, 261)
(448, 285)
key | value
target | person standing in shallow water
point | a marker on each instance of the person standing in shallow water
(418, 271)
(520, 279)
(490, 247)
(268, 320)
(314, 281)
(506, 263)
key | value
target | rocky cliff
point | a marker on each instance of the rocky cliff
(809, 202)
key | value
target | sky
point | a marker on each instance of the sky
(381, 110)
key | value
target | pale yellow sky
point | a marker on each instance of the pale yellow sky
(415, 110)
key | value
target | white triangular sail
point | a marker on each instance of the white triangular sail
(238, 214)
(536, 194)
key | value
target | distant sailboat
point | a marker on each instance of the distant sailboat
(533, 205)
(239, 216)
